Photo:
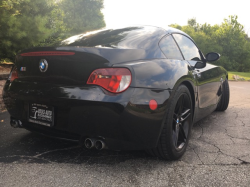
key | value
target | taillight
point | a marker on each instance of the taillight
(13, 74)
(112, 79)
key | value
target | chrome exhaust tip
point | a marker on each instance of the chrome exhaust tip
(99, 145)
(89, 143)
(15, 123)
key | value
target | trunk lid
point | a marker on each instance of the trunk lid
(62, 67)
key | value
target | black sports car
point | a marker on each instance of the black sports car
(132, 88)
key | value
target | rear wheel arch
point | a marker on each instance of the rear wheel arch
(192, 93)
(164, 147)
(190, 87)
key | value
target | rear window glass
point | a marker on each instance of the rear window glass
(104, 38)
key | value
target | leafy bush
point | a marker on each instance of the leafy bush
(229, 39)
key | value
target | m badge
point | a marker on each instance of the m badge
(23, 69)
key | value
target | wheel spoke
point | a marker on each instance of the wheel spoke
(183, 133)
(174, 121)
(176, 136)
(181, 103)
(185, 112)
(185, 115)
(181, 121)
(177, 107)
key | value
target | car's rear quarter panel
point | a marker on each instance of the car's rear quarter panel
(158, 73)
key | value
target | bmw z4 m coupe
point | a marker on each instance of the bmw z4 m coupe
(138, 87)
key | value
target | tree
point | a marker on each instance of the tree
(23, 23)
(82, 15)
(30, 23)
(231, 37)
(228, 39)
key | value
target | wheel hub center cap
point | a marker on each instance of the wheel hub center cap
(177, 123)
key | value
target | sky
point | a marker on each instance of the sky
(119, 13)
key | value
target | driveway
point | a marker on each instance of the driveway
(218, 155)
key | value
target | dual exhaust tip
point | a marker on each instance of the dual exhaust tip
(90, 143)
(15, 123)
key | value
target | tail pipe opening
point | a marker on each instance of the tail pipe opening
(15, 123)
(99, 145)
(89, 143)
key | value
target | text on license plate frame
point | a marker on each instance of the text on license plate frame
(41, 114)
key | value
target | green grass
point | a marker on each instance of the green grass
(245, 75)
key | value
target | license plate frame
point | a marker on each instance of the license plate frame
(41, 114)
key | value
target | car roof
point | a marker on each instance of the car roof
(133, 37)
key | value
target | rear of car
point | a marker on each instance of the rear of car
(76, 92)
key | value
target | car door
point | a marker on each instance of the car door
(208, 78)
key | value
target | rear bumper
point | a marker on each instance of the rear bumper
(124, 121)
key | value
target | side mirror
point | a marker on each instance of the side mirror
(200, 65)
(211, 57)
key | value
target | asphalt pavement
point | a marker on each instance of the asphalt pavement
(218, 155)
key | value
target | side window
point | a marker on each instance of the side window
(169, 48)
(188, 48)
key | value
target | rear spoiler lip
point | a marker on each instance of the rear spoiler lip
(112, 55)
(48, 53)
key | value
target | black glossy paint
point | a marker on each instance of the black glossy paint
(123, 120)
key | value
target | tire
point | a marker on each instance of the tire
(224, 100)
(177, 126)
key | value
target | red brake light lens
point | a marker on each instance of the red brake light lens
(115, 80)
(13, 74)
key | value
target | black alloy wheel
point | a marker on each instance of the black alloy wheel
(225, 96)
(177, 126)
(182, 120)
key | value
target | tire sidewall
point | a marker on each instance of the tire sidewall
(174, 153)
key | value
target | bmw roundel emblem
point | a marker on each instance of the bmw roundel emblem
(43, 65)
